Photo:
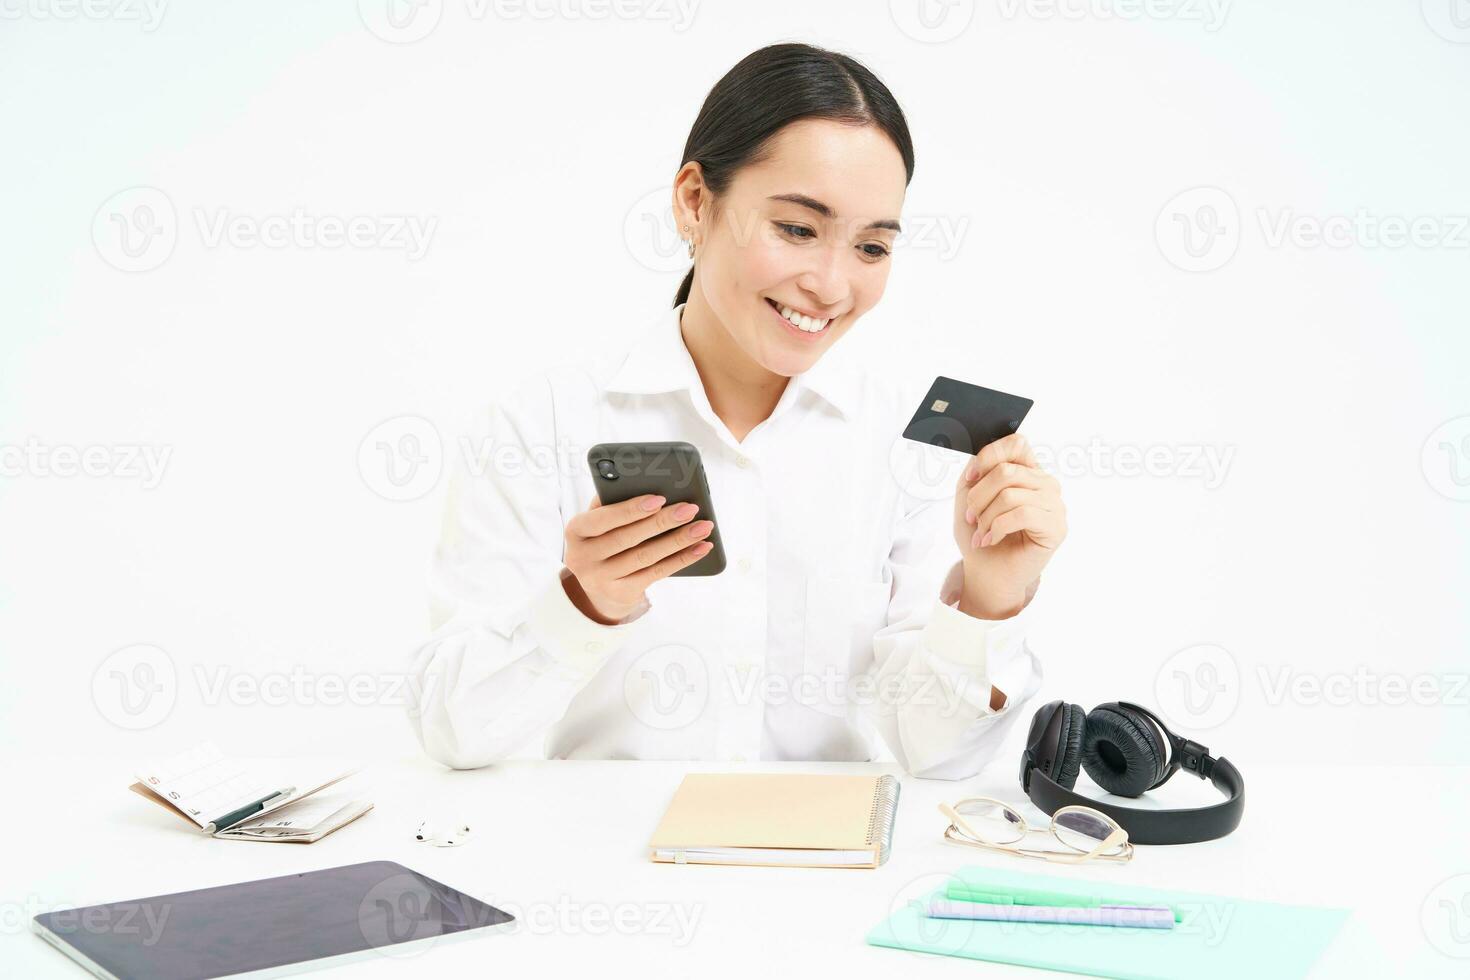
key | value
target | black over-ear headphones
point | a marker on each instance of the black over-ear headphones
(1127, 751)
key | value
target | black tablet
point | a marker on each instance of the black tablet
(269, 927)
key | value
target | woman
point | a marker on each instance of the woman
(851, 613)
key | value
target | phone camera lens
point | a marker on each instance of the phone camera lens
(606, 469)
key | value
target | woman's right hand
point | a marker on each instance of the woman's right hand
(616, 552)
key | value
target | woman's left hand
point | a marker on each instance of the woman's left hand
(1008, 521)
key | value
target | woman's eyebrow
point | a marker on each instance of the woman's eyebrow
(808, 202)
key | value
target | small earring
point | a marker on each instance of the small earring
(690, 241)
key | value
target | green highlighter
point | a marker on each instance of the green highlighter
(1083, 895)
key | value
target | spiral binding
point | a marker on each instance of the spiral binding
(881, 816)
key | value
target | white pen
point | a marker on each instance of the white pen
(1140, 916)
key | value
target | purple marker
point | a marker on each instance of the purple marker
(1136, 916)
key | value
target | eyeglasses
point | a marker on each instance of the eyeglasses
(1087, 834)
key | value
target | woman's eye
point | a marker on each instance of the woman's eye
(796, 231)
(873, 250)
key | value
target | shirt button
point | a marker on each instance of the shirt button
(742, 462)
(594, 646)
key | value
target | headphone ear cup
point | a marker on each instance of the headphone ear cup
(1069, 746)
(1121, 752)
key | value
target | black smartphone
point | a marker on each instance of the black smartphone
(673, 470)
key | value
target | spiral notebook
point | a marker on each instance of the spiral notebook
(782, 819)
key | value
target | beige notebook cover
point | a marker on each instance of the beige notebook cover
(778, 819)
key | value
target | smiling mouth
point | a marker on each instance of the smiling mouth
(799, 321)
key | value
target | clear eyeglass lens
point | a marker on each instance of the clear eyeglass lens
(1082, 830)
(996, 823)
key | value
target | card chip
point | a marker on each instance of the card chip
(939, 405)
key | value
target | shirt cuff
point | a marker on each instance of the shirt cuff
(568, 635)
(968, 642)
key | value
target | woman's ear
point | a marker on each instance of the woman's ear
(690, 198)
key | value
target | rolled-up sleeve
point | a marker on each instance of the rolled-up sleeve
(510, 650)
(938, 663)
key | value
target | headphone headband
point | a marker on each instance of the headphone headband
(1177, 826)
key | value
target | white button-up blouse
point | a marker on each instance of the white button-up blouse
(830, 635)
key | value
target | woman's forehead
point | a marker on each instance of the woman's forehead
(855, 170)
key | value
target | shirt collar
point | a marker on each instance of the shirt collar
(659, 362)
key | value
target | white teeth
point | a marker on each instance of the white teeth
(803, 322)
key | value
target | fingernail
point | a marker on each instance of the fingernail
(969, 474)
(975, 540)
(653, 503)
(985, 541)
(700, 528)
(969, 517)
(685, 511)
(703, 548)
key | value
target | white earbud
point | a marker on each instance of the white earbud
(442, 834)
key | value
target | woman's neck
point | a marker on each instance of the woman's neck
(741, 392)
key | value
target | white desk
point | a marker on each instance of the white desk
(561, 845)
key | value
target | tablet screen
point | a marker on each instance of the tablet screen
(274, 922)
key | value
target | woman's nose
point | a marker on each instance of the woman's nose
(825, 281)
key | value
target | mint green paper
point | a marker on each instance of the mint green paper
(1217, 937)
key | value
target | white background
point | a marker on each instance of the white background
(535, 145)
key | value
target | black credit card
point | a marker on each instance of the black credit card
(964, 417)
